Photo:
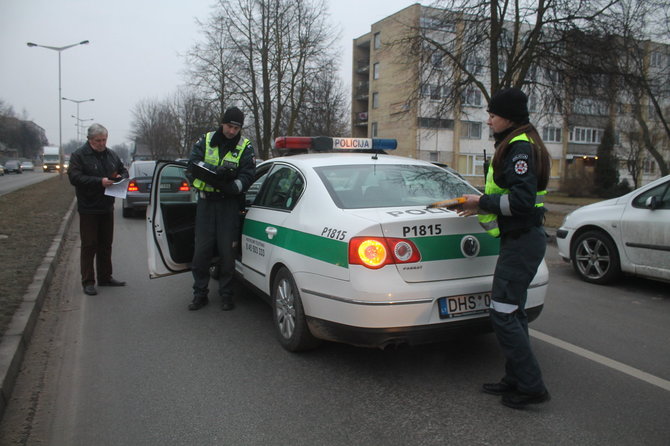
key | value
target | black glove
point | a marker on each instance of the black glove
(227, 171)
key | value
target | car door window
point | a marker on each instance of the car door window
(281, 189)
(662, 194)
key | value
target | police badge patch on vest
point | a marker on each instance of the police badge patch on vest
(520, 167)
(520, 163)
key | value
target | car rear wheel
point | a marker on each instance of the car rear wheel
(595, 258)
(289, 316)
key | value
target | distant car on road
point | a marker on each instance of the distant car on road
(174, 187)
(27, 166)
(13, 166)
(629, 234)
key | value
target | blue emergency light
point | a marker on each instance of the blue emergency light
(334, 144)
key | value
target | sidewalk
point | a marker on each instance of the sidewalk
(17, 337)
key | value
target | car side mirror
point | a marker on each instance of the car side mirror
(651, 202)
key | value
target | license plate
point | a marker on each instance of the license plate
(465, 305)
(165, 186)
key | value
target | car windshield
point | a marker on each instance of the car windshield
(370, 185)
(143, 169)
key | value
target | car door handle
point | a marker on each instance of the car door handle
(271, 232)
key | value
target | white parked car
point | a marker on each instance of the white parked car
(629, 234)
(344, 248)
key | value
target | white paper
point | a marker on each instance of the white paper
(118, 190)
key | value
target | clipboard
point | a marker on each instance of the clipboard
(207, 175)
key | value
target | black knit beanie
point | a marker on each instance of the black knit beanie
(234, 116)
(510, 103)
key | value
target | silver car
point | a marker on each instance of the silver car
(629, 234)
(174, 186)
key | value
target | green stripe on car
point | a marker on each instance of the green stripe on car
(310, 245)
(444, 247)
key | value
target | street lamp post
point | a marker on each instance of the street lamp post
(78, 120)
(80, 125)
(60, 49)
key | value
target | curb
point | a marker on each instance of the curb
(17, 337)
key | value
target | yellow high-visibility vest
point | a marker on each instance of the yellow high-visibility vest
(212, 157)
(490, 221)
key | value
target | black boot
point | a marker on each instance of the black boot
(198, 303)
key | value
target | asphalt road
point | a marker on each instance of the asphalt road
(12, 181)
(133, 366)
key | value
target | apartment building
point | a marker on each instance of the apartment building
(392, 98)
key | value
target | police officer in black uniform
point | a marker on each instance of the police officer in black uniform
(220, 199)
(512, 208)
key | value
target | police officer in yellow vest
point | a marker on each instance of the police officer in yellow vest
(220, 199)
(512, 208)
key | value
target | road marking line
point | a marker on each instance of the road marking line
(611, 363)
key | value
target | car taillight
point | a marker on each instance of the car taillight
(132, 186)
(375, 252)
(184, 187)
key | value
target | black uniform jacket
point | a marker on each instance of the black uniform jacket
(519, 177)
(86, 171)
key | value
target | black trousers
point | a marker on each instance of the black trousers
(97, 234)
(517, 264)
(217, 224)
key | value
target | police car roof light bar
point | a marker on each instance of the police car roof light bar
(328, 144)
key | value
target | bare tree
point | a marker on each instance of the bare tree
(572, 51)
(268, 55)
(193, 119)
(324, 109)
(642, 66)
(154, 128)
(515, 42)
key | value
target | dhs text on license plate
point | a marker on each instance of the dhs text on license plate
(467, 304)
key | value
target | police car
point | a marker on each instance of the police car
(345, 247)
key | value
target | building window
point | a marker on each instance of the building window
(471, 164)
(436, 123)
(551, 105)
(589, 106)
(584, 135)
(551, 134)
(552, 76)
(474, 65)
(374, 129)
(375, 71)
(432, 157)
(656, 59)
(437, 23)
(472, 96)
(436, 60)
(375, 100)
(649, 166)
(471, 130)
(532, 102)
(652, 111)
(378, 41)
(435, 92)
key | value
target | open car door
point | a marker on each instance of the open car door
(170, 220)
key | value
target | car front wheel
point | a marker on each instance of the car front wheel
(595, 258)
(289, 316)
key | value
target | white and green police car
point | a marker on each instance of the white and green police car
(345, 249)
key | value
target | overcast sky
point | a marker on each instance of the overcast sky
(134, 54)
